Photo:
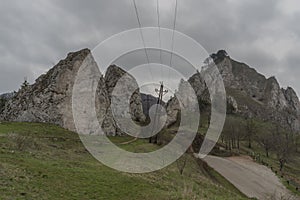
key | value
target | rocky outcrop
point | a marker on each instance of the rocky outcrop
(49, 99)
(183, 98)
(148, 100)
(173, 110)
(7, 96)
(251, 94)
(4, 98)
(115, 74)
(292, 99)
(260, 97)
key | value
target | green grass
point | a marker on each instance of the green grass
(42, 161)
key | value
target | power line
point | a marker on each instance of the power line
(158, 24)
(174, 27)
(142, 35)
(161, 91)
(173, 34)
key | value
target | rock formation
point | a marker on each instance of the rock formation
(4, 98)
(250, 94)
(7, 96)
(49, 99)
(148, 100)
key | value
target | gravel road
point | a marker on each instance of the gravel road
(252, 179)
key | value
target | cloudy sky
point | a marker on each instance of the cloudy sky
(34, 35)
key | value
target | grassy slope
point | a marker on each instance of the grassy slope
(40, 161)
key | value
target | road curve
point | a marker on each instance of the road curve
(252, 179)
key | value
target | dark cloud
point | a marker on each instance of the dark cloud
(35, 35)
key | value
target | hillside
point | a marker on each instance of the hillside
(41, 161)
(263, 122)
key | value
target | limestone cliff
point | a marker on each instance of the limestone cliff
(249, 93)
(49, 99)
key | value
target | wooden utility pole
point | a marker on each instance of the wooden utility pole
(161, 92)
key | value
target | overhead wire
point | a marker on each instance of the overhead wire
(159, 34)
(142, 35)
(173, 35)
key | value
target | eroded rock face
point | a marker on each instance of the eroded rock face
(148, 101)
(173, 109)
(7, 96)
(185, 98)
(49, 99)
(292, 99)
(249, 94)
(4, 98)
(127, 83)
(257, 96)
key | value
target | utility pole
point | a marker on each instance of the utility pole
(161, 92)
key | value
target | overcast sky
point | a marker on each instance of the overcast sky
(35, 35)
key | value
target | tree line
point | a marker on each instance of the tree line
(272, 138)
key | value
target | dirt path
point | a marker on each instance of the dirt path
(252, 179)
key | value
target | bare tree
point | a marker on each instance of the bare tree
(266, 138)
(250, 129)
(232, 133)
(283, 146)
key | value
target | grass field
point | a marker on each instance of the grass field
(41, 161)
